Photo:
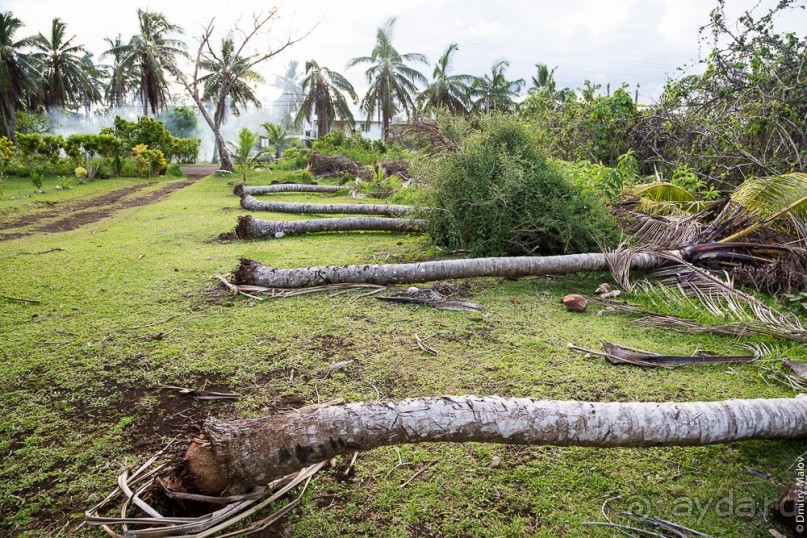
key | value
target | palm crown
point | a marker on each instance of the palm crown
(392, 81)
(324, 95)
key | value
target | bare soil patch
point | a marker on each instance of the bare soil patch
(106, 208)
(198, 172)
(105, 199)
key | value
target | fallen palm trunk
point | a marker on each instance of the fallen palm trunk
(238, 455)
(252, 228)
(240, 190)
(253, 204)
(252, 272)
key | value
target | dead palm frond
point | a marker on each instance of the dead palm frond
(682, 287)
(666, 232)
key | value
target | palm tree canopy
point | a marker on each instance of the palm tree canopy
(324, 96)
(151, 53)
(227, 71)
(544, 80)
(451, 92)
(494, 91)
(122, 79)
(68, 78)
(291, 85)
(18, 78)
(277, 135)
(392, 81)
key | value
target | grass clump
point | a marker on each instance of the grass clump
(499, 195)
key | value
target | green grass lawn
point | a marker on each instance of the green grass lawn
(81, 377)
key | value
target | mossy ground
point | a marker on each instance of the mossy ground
(80, 383)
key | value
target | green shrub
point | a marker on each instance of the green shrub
(185, 150)
(127, 168)
(174, 170)
(414, 195)
(501, 196)
(148, 162)
(293, 158)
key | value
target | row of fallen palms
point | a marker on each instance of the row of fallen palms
(241, 466)
(386, 217)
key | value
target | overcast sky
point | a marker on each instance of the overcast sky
(634, 41)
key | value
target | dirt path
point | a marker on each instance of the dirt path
(105, 207)
(199, 171)
(98, 201)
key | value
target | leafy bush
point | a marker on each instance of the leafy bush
(174, 170)
(185, 150)
(146, 131)
(745, 114)
(597, 128)
(501, 196)
(294, 158)
(357, 148)
(83, 149)
(148, 162)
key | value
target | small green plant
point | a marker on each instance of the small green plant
(686, 178)
(306, 176)
(798, 300)
(36, 178)
(174, 170)
(246, 153)
(64, 183)
(6, 153)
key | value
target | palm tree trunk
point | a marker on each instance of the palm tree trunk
(240, 190)
(224, 155)
(252, 228)
(252, 272)
(215, 158)
(253, 204)
(244, 453)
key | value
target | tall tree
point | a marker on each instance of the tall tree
(494, 91)
(121, 77)
(324, 96)
(221, 67)
(17, 75)
(544, 81)
(230, 75)
(446, 92)
(392, 81)
(292, 97)
(150, 54)
(68, 77)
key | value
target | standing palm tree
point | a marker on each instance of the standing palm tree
(494, 91)
(277, 136)
(150, 54)
(17, 74)
(229, 85)
(324, 96)
(447, 92)
(121, 77)
(67, 79)
(392, 82)
(293, 95)
(544, 81)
